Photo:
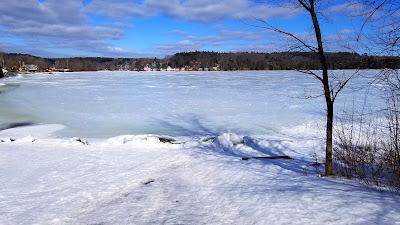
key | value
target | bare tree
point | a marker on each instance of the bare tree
(309, 5)
(331, 87)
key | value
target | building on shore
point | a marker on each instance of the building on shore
(147, 68)
(53, 69)
(31, 68)
(170, 69)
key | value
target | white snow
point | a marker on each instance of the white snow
(139, 180)
(189, 171)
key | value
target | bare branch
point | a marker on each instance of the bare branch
(311, 48)
(369, 17)
(304, 4)
(395, 41)
(309, 72)
(341, 86)
(311, 96)
(275, 29)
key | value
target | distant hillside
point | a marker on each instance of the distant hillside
(206, 61)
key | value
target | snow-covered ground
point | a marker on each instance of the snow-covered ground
(190, 171)
(140, 180)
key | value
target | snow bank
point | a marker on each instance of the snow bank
(138, 179)
(229, 140)
(232, 144)
(148, 141)
(229, 143)
(37, 131)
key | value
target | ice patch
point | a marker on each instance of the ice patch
(38, 131)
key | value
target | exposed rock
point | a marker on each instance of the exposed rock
(208, 139)
(167, 140)
(83, 141)
(7, 140)
(148, 182)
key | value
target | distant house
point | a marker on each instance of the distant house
(170, 69)
(32, 68)
(147, 68)
(216, 68)
(53, 69)
(65, 70)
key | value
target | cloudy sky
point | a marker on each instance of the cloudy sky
(133, 28)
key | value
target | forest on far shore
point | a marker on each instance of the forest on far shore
(203, 60)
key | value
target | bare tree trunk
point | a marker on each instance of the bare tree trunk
(327, 90)
(329, 141)
(330, 90)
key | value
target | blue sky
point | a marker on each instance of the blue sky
(136, 28)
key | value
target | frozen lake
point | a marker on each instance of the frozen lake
(105, 104)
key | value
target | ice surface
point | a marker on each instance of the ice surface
(106, 104)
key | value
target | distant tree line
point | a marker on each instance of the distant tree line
(13, 61)
(280, 61)
(203, 60)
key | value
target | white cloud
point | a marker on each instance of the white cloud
(349, 8)
(221, 39)
(52, 24)
(191, 10)
(118, 9)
